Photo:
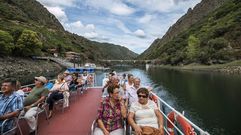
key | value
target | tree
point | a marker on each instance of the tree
(6, 43)
(60, 49)
(218, 43)
(193, 47)
(28, 44)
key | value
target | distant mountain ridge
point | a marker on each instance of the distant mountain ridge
(17, 16)
(207, 17)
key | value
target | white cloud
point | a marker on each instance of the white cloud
(77, 24)
(59, 13)
(153, 5)
(146, 18)
(122, 27)
(53, 3)
(179, 1)
(140, 33)
(113, 6)
(135, 44)
(91, 35)
(88, 30)
(90, 26)
(163, 5)
(78, 27)
(121, 9)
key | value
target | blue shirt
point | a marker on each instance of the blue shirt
(10, 104)
(48, 85)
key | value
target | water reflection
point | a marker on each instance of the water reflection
(211, 100)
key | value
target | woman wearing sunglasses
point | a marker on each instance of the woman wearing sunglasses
(145, 114)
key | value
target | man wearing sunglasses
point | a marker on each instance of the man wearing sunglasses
(36, 96)
(145, 113)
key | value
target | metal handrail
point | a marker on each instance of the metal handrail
(202, 132)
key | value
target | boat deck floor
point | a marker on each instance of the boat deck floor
(75, 120)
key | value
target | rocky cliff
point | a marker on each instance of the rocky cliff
(25, 70)
(208, 34)
(186, 21)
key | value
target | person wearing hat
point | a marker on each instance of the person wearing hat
(35, 97)
(67, 77)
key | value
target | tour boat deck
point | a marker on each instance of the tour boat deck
(77, 119)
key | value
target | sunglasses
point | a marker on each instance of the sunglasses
(143, 96)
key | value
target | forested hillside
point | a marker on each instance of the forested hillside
(215, 38)
(27, 29)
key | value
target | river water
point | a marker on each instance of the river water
(212, 101)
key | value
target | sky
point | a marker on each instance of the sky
(134, 24)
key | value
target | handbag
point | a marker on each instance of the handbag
(147, 130)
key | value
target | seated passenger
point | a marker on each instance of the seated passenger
(35, 97)
(81, 82)
(90, 80)
(18, 90)
(60, 90)
(85, 76)
(111, 114)
(105, 83)
(67, 77)
(133, 89)
(145, 113)
(10, 104)
(73, 84)
(48, 84)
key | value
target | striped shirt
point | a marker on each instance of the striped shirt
(111, 116)
(10, 104)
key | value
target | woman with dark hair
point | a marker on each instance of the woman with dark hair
(145, 114)
(73, 84)
(111, 113)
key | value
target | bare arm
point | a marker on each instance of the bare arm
(65, 87)
(35, 103)
(102, 127)
(160, 120)
(39, 101)
(9, 115)
(123, 109)
(133, 124)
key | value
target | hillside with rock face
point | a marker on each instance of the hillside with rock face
(25, 70)
(27, 29)
(28, 11)
(186, 21)
(208, 34)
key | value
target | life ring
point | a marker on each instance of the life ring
(154, 98)
(187, 129)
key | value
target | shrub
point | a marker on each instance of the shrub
(6, 43)
(218, 43)
(28, 44)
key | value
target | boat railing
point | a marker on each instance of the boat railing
(198, 130)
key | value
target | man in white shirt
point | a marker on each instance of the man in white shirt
(104, 84)
(132, 91)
